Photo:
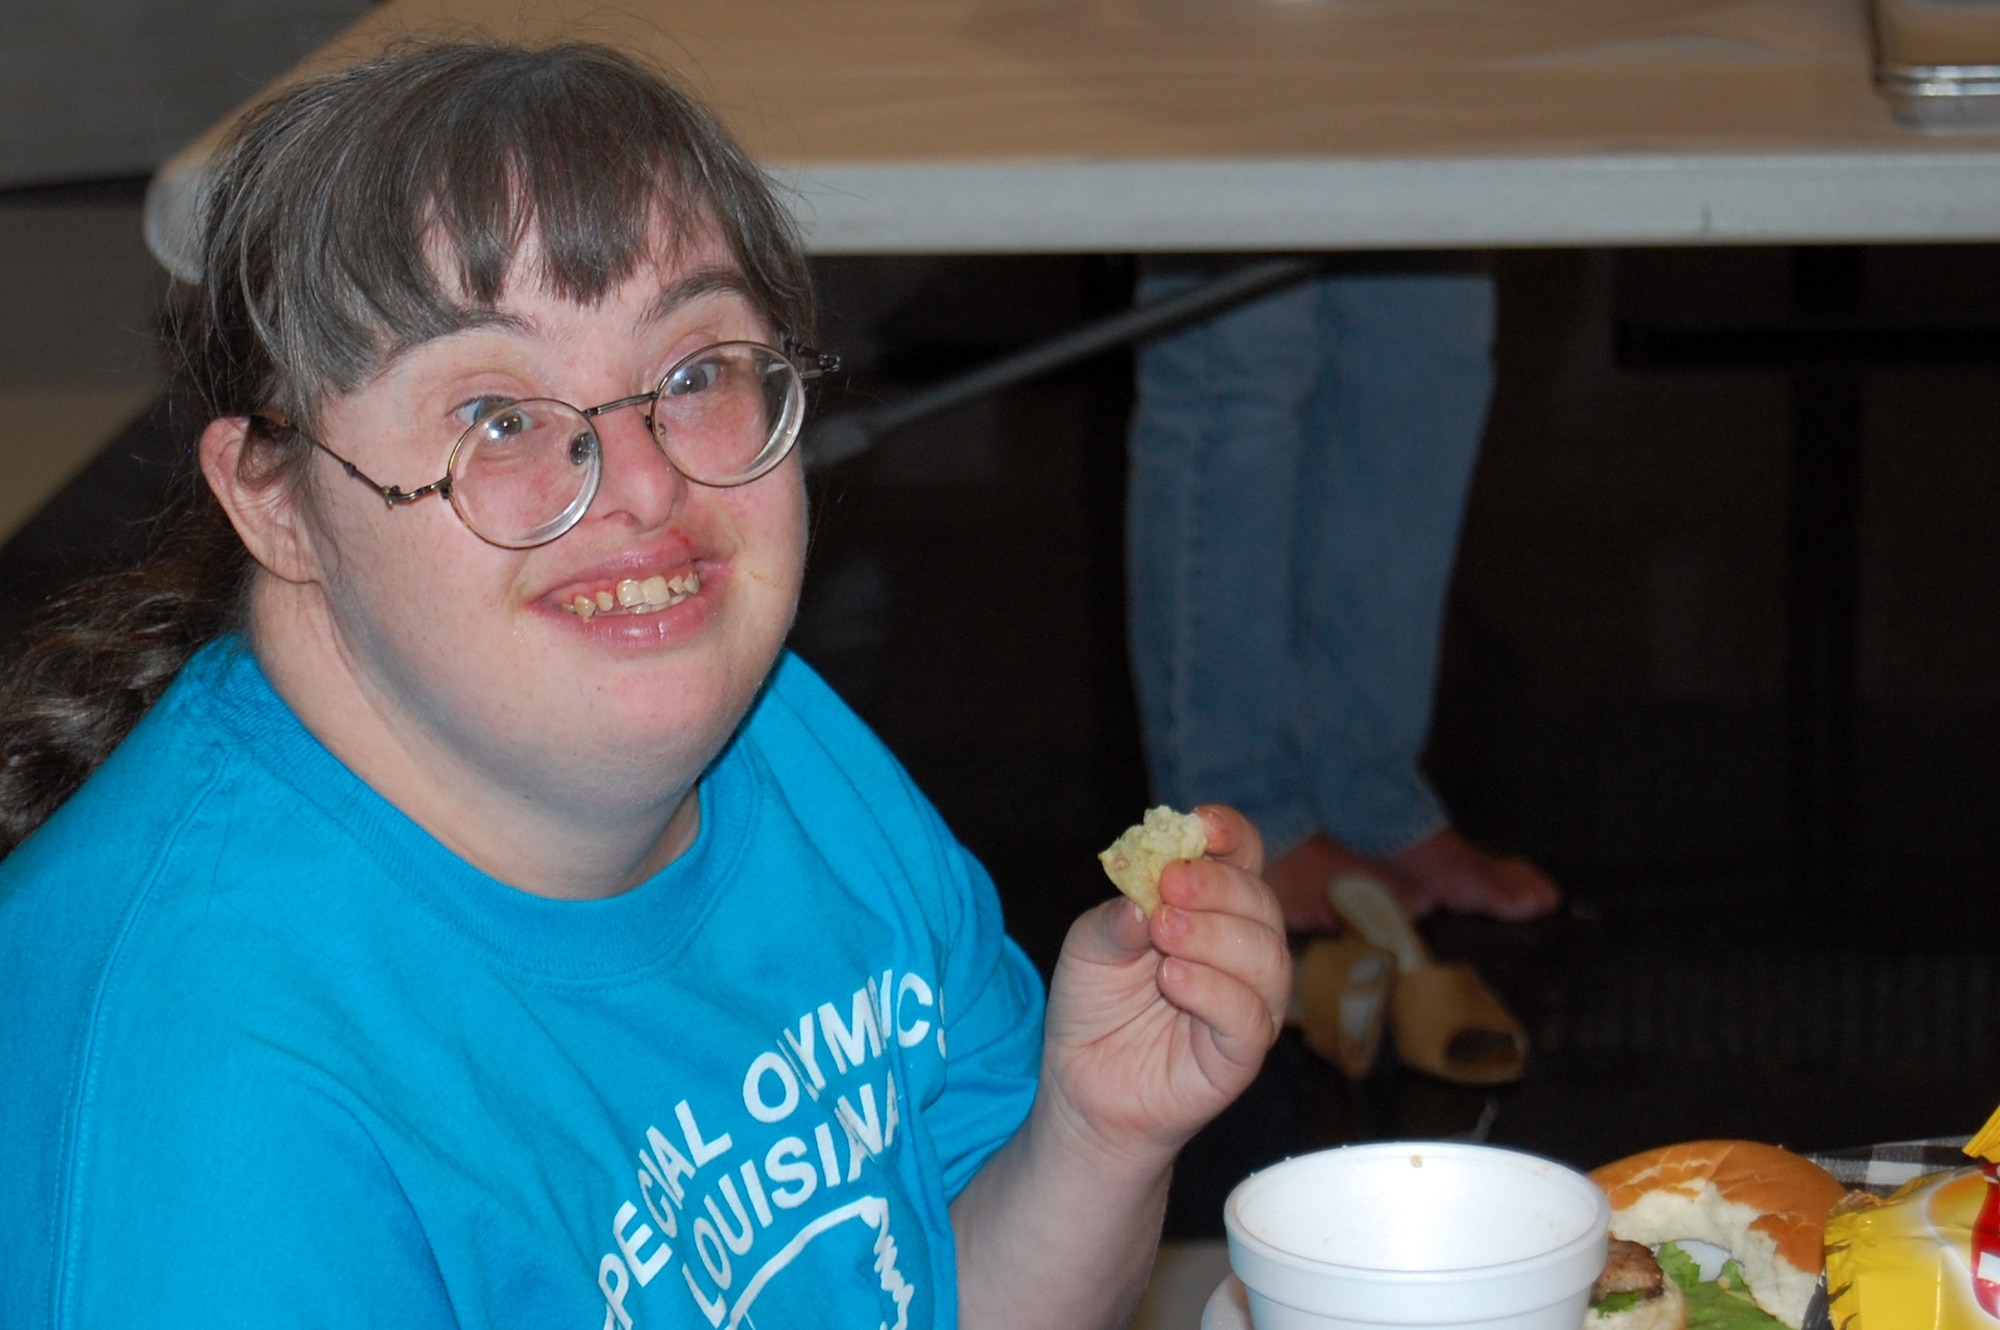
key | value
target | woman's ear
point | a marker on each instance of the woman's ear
(265, 514)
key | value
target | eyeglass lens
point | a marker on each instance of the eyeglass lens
(525, 473)
(727, 414)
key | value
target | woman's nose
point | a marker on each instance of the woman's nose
(638, 479)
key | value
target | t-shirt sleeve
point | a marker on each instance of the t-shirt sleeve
(993, 1005)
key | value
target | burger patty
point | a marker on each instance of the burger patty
(1630, 1268)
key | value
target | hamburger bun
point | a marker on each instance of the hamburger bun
(1765, 1206)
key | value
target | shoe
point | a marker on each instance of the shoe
(1444, 1020)
(1340, 995)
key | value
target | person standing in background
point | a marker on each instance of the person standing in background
(1299, 471)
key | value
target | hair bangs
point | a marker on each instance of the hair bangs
(392, 203)
(595, 217)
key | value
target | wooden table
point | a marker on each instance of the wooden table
(992, 126)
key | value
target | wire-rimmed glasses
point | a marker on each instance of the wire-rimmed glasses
(526, 471)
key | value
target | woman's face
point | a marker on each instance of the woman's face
(482, 651)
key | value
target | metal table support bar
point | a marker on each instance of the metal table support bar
(846, 434)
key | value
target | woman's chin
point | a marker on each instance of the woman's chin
(661, 704)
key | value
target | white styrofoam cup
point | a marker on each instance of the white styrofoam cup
(1417, 1233)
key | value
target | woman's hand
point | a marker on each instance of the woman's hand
(1155, 1025)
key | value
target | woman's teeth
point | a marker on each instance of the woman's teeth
(637, 595)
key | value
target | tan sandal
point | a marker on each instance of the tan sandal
(1445, 1021)
(1341, 988)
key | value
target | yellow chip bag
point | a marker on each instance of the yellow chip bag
(1928, 1257)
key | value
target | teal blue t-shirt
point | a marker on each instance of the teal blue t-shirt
(275, 1056)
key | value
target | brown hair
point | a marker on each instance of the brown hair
(329, 212)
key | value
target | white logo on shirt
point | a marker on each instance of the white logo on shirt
(712, 1222)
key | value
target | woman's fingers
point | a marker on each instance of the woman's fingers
(1220, 918)
(1239, 1022)
(1233, 838)
(1220, 886)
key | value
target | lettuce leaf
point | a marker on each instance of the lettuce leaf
(1722, 1305)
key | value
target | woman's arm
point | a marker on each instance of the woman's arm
(1154, 1026)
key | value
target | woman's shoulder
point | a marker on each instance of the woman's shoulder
(160, 848)
(154, 781)
(842, 789)
(796, 696)
(118, 819)
(808, 738)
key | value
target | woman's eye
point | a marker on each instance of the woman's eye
(693, 377)
(476, 410)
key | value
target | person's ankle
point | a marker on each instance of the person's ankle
(1299, 877)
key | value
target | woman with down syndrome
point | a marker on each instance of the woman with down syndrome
(436, 898)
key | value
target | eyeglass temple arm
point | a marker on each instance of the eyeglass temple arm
(391, 494)
(810, 364)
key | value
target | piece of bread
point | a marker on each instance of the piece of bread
(1765, 1206)
(1136, 859)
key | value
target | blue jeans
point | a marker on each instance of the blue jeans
(1299, 468)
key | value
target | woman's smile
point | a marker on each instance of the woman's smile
(633, 597)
